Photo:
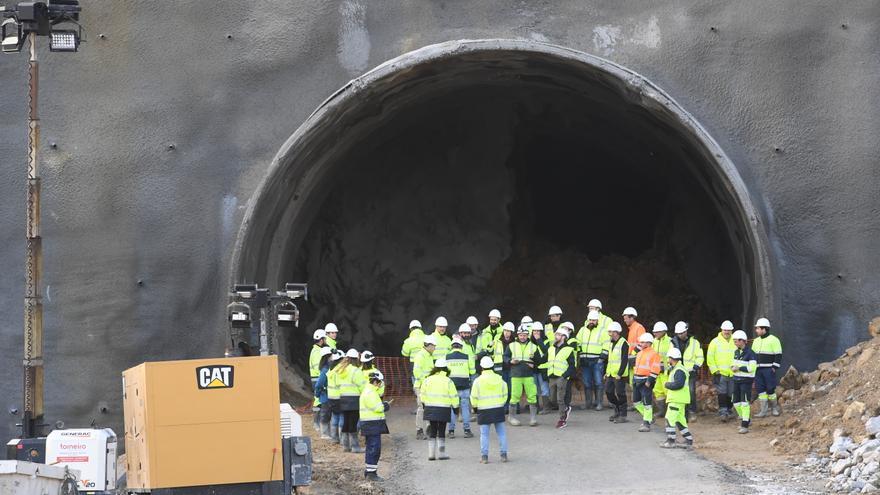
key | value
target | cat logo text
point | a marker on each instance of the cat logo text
(208, 377)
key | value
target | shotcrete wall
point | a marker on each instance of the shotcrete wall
(164, 128)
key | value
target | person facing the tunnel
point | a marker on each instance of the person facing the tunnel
(439, 397)
(461, 366)
(542, 383)
(413, 341)
(488, 398)
(522, 366)
(331, 333)
(592, 339)
(423, 363)
(336, 359)
(373, 425)
(554, 319)
(692, 360)
(368, 365)
(768, 348)
(486, 339)
(662, 344)
(560, 367)
(719, 358)
(320, 388)
(745, 363)
(616, 373)
(350, 380)
(645, 373)
(501, 354)
(319, 342)
(677, 398)
(444, 342)
(634, 330)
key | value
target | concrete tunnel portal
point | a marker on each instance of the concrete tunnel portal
(499, 173)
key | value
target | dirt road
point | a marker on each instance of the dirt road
(590, 456)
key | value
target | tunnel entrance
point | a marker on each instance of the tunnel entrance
(510, 174)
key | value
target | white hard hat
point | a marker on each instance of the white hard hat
(763, 322)
(415, 324)
(472, 320)
(740, 335)
(594, 303)
(486, 363)
(319, 334)
(614, 327)
(495, 314)
(554, 310)
(727, 325)
(509, 326)
(569, 325)
(331, 327)
(673, 353)
(367, 356)
(430, 340)
(646, 338)
(593, 315)
(526, 319)
(523, 329)
(377, 375)
(660, 327)
(630, 311)
(441, 322)
(563, 330)
(536, 325)
(353, 353)
(464, 327)
(337, 355)
(681, 327)
(456, 339)
(440, 363)
(326, 350)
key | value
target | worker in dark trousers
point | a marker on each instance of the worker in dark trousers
(320, 390)
(617, 373)
(768, 349)
(745, 363)
(373, 426)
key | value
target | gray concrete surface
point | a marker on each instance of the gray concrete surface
(788, 89)
(591, 455)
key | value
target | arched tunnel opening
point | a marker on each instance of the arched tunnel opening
(512, 176)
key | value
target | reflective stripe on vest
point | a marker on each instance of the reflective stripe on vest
(488, 391)
(682, 395)
(315, 361)
(332, 387)
(720, 355)
(371, 407)
(767, 348)
(438, 391)
(614, 359)
(558, 363)
(647, 363)
(522, 352)
(458, 367)
(350, 382)
(595, 338)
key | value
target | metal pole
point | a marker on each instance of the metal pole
(264, 337)
(33, 318)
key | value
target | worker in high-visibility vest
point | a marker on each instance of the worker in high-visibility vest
(768, 348)
(745, 363)
(423, 363)
(440, 397)
(413, 341)
(488, 398)
(319, 342)
(662, 344)
(486, 339)
(645, 373)
(634, 330)
(554, 319)
(332, 333)
(542, 382)
(336, 359)
(719, 357)
(468, 342)
(617, 373)
(461, 368)
(560, 368)
(522, 366)
(373, 426)
(677, 398)
(368, 365)
(444, 341)
(350, 381)
(501, 354)
(593, 339)
(320, 389)
(691, 359)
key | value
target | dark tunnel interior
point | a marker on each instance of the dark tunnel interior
(514, 194)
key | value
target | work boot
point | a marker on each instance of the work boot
(325, 431)
(615, 414)
(355, 442)
(546, 406)
(334, 434)
(372, 476)
(468, 434)
(533, 415)
(764, 409)
(450, 434)
(743, 429)
(420, 434)
(597, 396)
(512, 413)
(687, 445)
(346, 442)
(504, 457)
(668, 444)
(774, 407)
(432, 449)
(620, 419)
(645, 427)
(484, 459)
(442, 448)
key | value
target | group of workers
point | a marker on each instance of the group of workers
(489, 371)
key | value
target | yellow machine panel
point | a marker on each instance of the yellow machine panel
(202, 422)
